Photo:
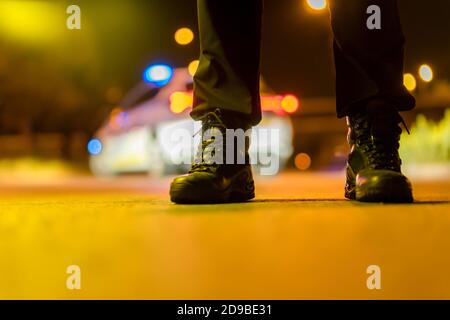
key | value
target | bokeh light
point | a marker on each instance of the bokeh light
(426, 73)
(302, 161)
(409, 81)
(113, 94)
(158, 75)
(290, 103)
(180, 101)
(184, 36)
(94, 147)
(317, 5)
(192, 68)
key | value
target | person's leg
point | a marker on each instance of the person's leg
(369, 63)
(370, 93)
(226, 96)
(228, 74)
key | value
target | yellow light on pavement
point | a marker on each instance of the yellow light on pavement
(426, 73)
(317, 5)
(409, 81)
(192, 68)
(184, 36)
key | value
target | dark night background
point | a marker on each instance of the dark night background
(60, 85)
(296, 52)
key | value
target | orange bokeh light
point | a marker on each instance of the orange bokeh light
(180, 101)
(302, 161)
(290, 103)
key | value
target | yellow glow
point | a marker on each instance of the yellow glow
(289, 103)
(426, 73)
(32, 21)
(302, 161)
(184, 36)
(192, 68)
(317, 4)
(180, 101)
(409, 81)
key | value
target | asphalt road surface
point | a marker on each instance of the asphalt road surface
(299, 239)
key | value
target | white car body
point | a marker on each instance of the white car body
(148, 139)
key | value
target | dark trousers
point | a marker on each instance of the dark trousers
(369, 63)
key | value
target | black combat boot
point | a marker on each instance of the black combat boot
(211, 181)
(374, 165)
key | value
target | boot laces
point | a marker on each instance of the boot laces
(380, 140)
(204, 158)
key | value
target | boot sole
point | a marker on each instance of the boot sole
(184, 193)
(389, 190)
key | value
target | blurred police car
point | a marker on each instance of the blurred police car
(140, 137)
